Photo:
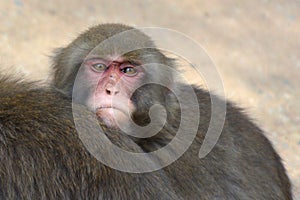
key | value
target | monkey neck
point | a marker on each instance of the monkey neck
(169, 130)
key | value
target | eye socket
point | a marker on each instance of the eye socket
(99, 67)
(129, 71)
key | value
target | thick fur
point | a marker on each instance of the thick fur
(42, 156)
(243, 164)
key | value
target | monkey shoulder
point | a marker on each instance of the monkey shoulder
(242, 153)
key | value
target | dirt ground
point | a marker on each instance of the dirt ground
(254, 44)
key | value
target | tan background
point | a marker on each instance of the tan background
(254, 44)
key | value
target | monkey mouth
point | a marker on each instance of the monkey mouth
(108, 108)
(111, 116)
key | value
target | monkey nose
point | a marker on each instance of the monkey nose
(111, 91)
(112, 76)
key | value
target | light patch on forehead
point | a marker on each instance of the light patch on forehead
(109, 58)
(115, 57)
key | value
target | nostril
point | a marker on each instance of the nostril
(111, 91)
(108, 91)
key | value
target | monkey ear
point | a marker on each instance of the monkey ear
(60, 70)
(56, 54)
(56, 70)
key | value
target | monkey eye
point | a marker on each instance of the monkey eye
(129, 71)
(99, 67)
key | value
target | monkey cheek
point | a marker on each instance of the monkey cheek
(112, 118)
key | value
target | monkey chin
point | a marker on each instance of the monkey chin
(111, 117)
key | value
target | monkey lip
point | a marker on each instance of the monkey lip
(109, 109)
(111, 115)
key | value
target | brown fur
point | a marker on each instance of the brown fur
(42, 157)
(243, 164)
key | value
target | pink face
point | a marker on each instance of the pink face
(114, 80)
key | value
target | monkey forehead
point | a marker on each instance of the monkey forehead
(106, 35)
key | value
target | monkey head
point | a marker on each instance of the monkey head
(116, 69)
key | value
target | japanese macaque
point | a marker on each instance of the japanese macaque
(121, 81)
(107, 71)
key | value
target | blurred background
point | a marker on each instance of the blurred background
(254, 44)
